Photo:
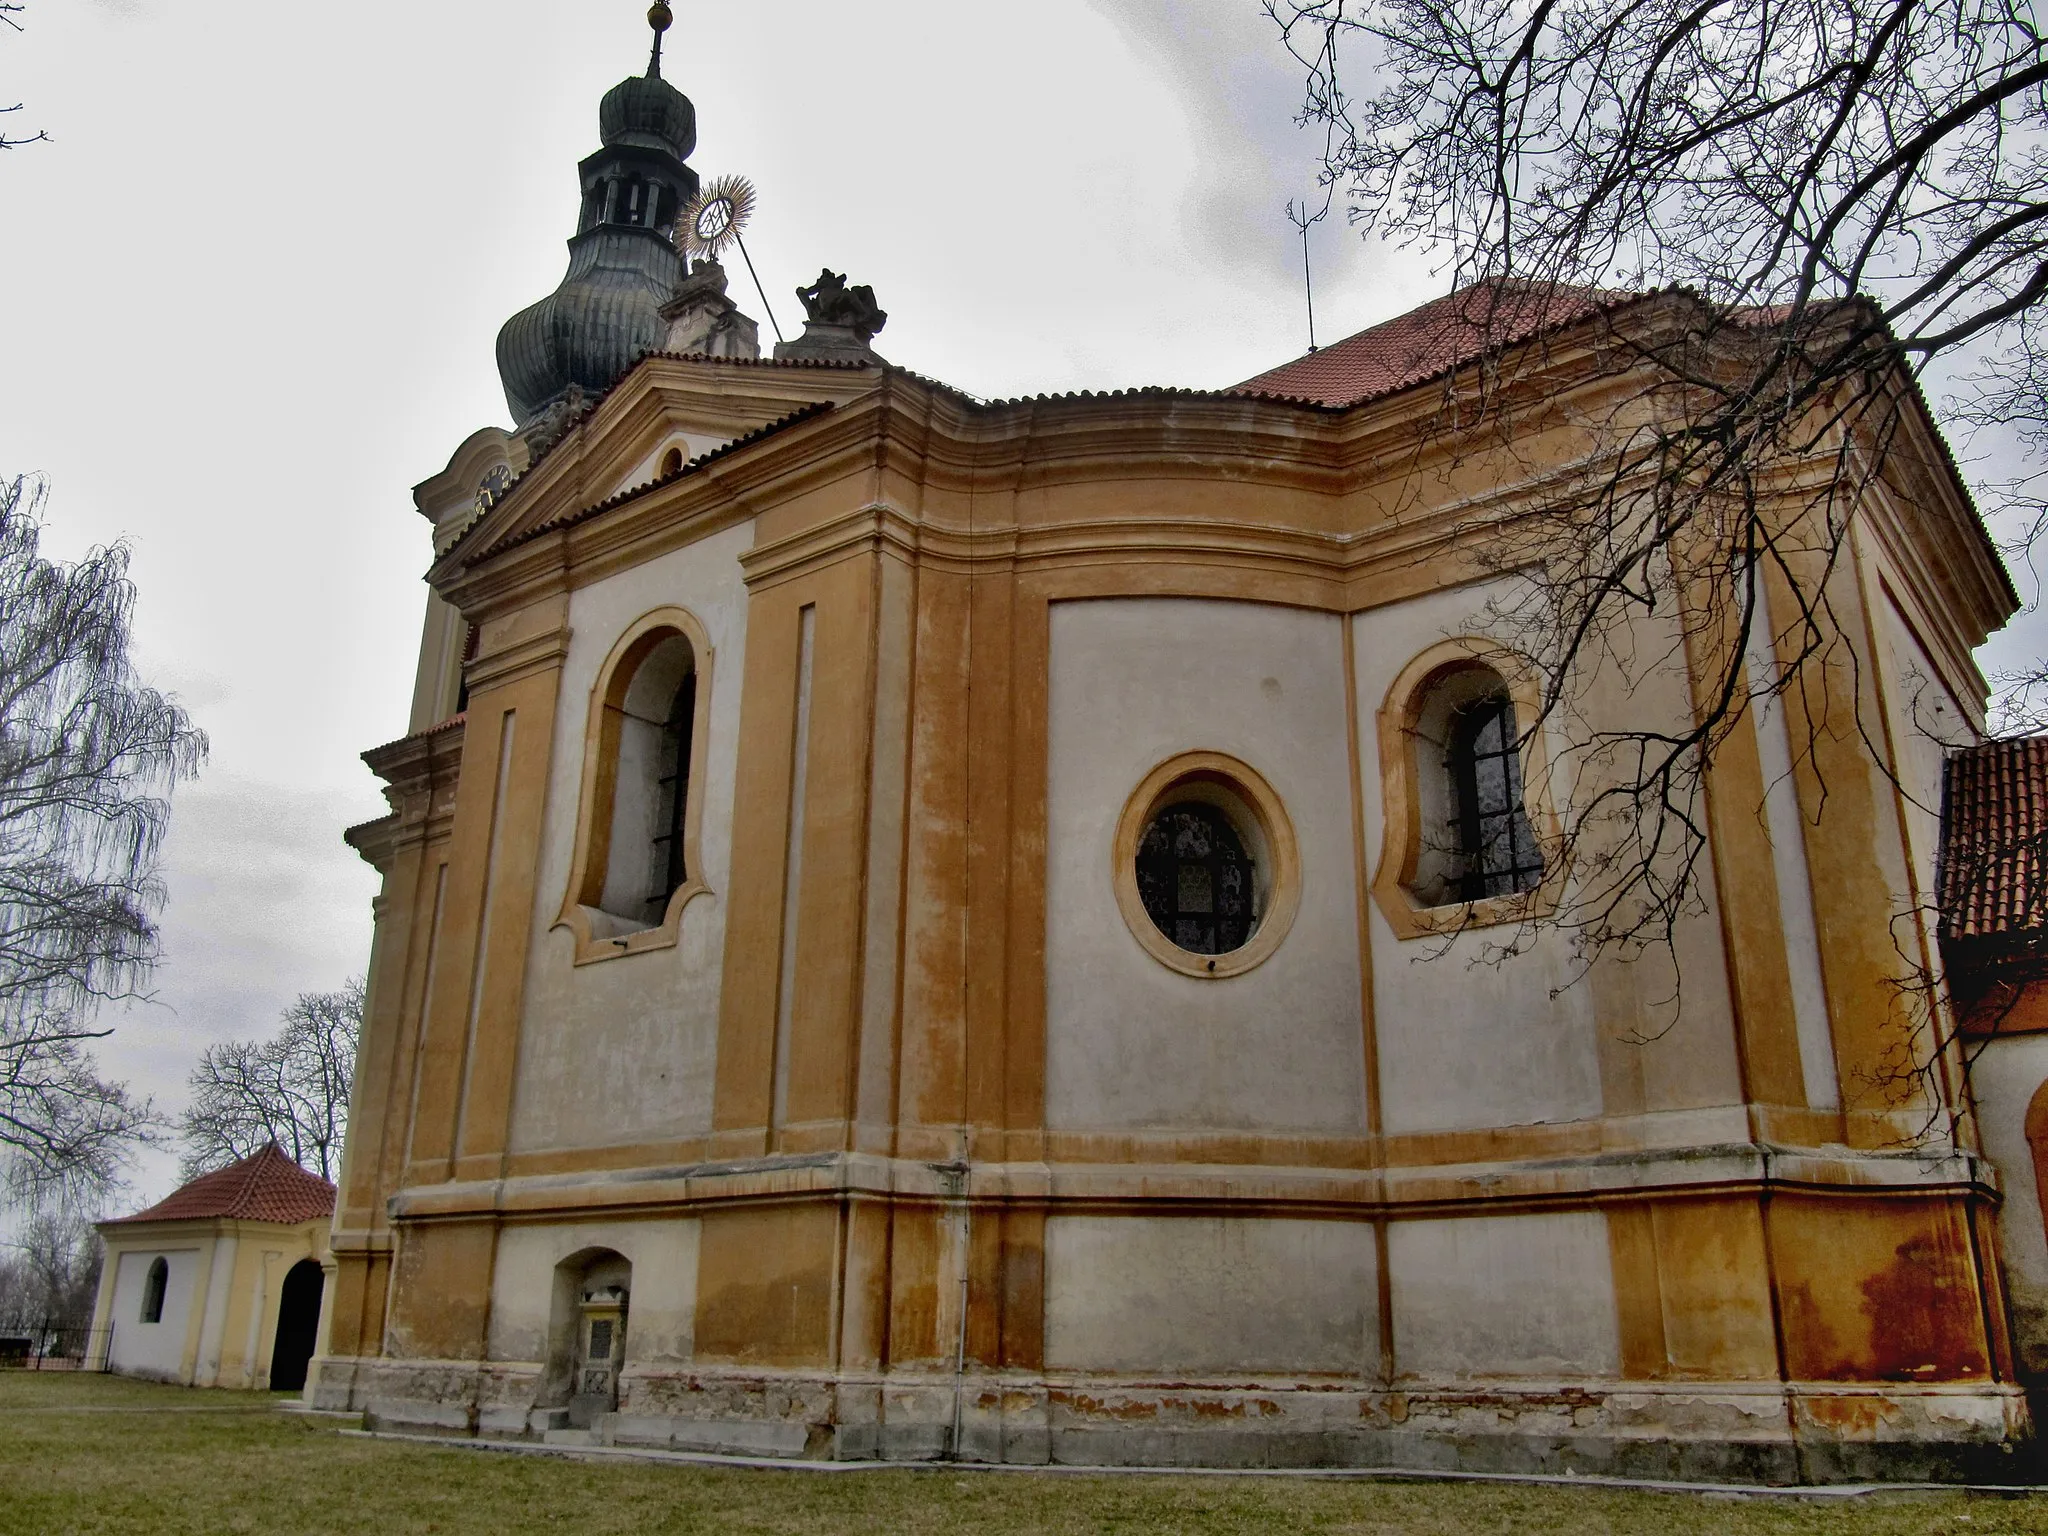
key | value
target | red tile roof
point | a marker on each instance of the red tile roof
(266, 1187)
(1994, 853)
(1426, 341)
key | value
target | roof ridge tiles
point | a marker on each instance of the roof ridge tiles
(265, 1186)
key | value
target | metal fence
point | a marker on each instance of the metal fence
(54, 1346)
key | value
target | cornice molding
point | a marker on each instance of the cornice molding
(420, 773)
(518, 659)
(1329, 494)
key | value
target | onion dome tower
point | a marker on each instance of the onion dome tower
(623, 264)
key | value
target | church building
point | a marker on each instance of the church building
(920, 927)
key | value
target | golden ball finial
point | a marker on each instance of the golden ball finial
(660, 17)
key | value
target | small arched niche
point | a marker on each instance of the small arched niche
(1463, 792)
(593, 1291)
(637, 861)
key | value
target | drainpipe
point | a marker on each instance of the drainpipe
(954, 1176)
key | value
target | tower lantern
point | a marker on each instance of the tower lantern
(623, 263)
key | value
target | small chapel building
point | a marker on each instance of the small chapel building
(921, 927)
(220, 1283)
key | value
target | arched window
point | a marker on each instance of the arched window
(153, 1291)
(667, 863)
(1196, 879)
(650, 792)
(1495, 841)
(636, 847)
(1462, 791)
(671, 463)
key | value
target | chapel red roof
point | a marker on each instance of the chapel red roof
(266, 1187)
(1426, 341)
(1994, 853)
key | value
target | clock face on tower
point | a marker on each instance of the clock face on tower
(493, 486)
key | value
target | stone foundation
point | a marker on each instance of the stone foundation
(1738, 1432)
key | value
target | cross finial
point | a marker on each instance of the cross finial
(661, 18)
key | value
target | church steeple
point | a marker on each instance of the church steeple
(622, 263)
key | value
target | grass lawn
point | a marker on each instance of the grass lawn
(87, 1454)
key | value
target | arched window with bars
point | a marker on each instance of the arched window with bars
(636, 860)
(1496, 844)
(1463, 791)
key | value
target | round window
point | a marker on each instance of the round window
(1205, 866)
(1196, 880)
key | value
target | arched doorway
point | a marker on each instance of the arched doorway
(298, 1325)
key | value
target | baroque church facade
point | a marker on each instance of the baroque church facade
(910, 929)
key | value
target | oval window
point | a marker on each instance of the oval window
(1205, 867)
(1196, 880)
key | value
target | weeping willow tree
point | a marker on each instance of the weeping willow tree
(88, 758)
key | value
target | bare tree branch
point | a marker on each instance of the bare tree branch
(292, 1089)
(1829, 195)
(10, 11)
(49, 1273)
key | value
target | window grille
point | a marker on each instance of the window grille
(1496, 842)
(668, 872)
(1196, 879)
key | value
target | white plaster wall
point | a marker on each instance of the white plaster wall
(661, 1315)
(1785, 821)
(622, 1050)
(1186, 1295)
(1928, 722)
(213, 1329)
(1489, 1296)
(2005, 1078)
(1463, 1042)
(154, 1349)
(1129, 1043)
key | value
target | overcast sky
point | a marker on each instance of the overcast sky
(251, 287)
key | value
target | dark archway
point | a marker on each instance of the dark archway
(298, 1325)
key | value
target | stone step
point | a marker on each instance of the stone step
(570, 1437)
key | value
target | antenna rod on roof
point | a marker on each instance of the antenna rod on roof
(1308, 282)
(1305, 223)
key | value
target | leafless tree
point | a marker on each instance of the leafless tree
(292, 1089)
(1825, 199)
(49, 1272)
(10, 13)
(88, 758)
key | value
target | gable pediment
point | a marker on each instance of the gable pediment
(698, 405)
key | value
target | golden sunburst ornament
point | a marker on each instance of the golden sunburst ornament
(714, 218)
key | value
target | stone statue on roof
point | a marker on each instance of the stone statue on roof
(829, 301)
(840, 321)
